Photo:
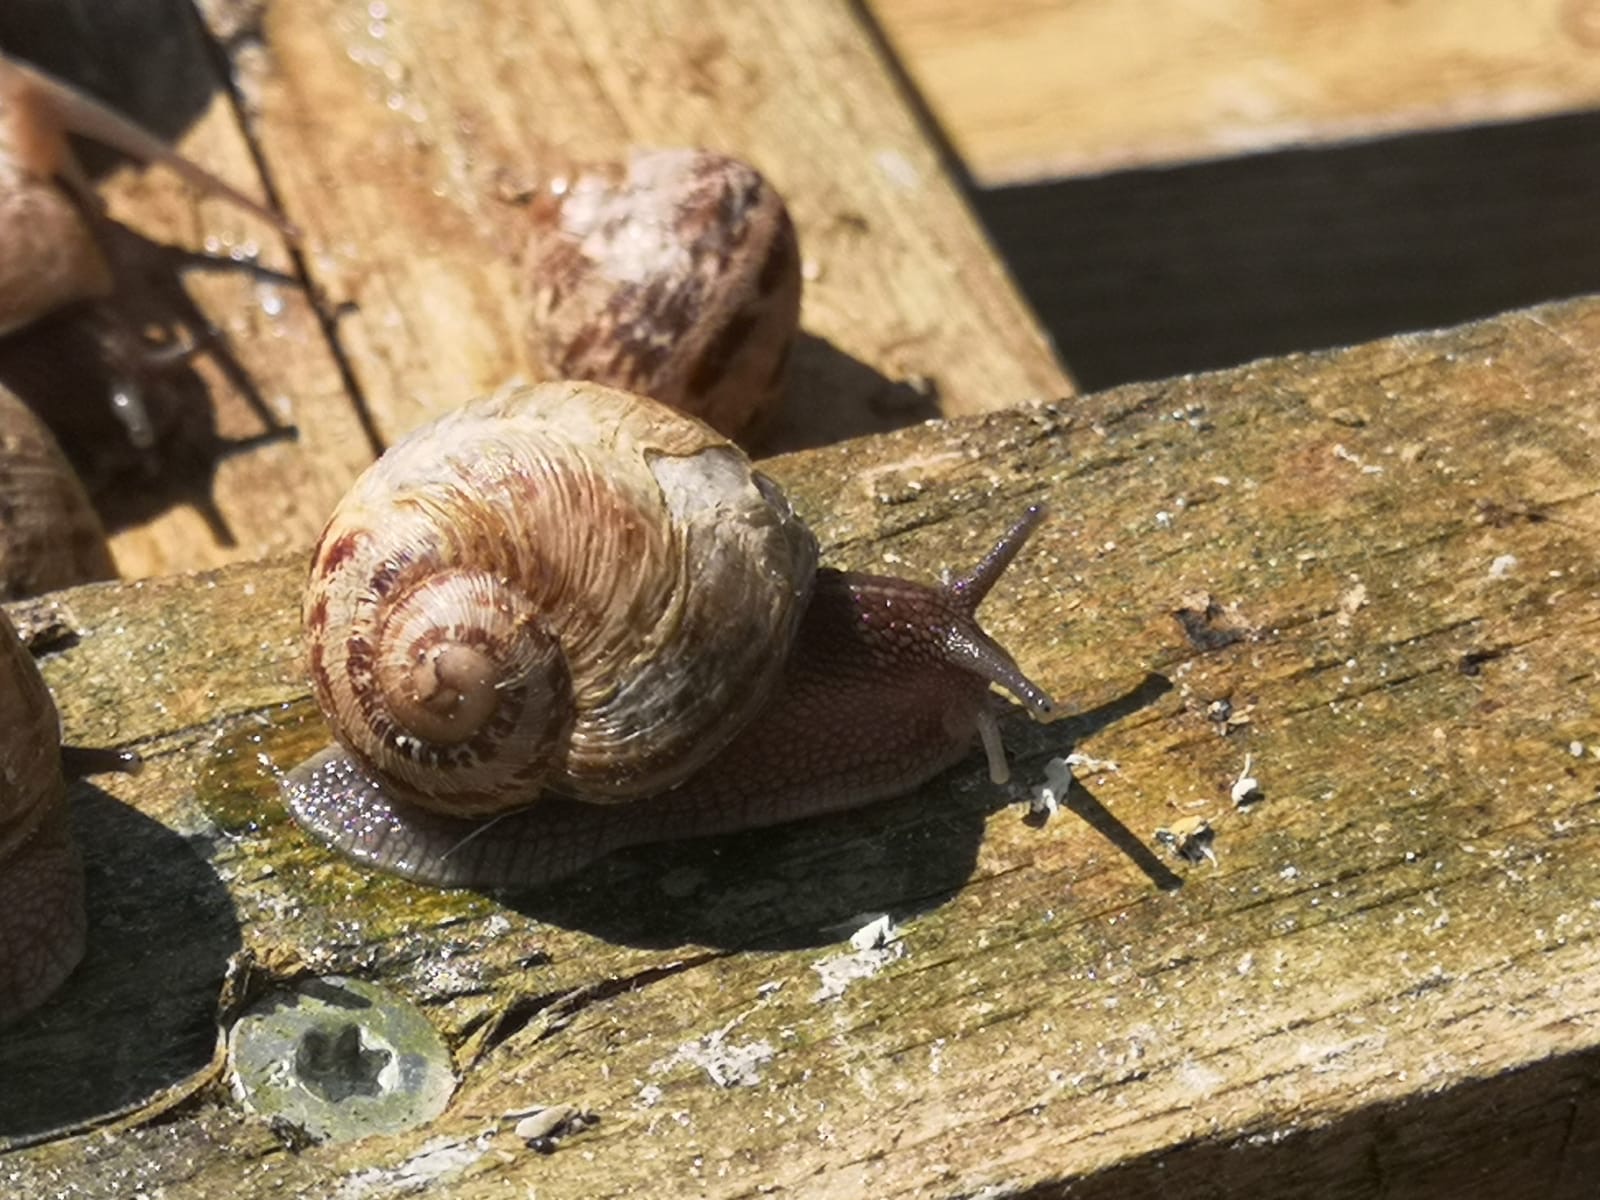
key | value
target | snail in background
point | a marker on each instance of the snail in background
(50, 535)
(53, 227)
(41, 875)
(50, 249)
(574, 601)
(675, 276)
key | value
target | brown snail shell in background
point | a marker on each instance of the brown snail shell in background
(50, 534)
(675, 276)
(48, 257)
(41, 875)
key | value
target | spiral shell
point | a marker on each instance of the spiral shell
(41, 876)
(676, 277)
(563, 587)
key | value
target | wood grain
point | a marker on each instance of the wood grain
(1077, 87)
(1371, 573)
(403, 138)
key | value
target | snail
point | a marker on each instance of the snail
(575, 602)
(50, 249)
(50, 535)
(53, 227)
(41, 876)
(676, 276)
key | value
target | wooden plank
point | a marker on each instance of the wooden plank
(402, 138)
(407, 195)
(1381, 565)
(1050, 87)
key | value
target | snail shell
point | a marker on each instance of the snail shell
(41, 876)
(47, 258)
(50, 535)
(676, 276)
(563, 587)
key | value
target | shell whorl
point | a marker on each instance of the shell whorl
(563, 587)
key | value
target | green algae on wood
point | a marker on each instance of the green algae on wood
(1397, 942)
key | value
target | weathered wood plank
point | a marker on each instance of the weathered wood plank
(1035, 90)
(401, 138)
(1388, 984)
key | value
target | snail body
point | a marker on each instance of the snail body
(676, 276)
(41, 875)
(692, 671)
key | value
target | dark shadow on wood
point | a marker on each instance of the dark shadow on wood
(1082, 803)
(1533, 1132)
(1147, 274)
(59, 367)
(795, 886)
(1058, 738)
(833, 396)
(140, 1013)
